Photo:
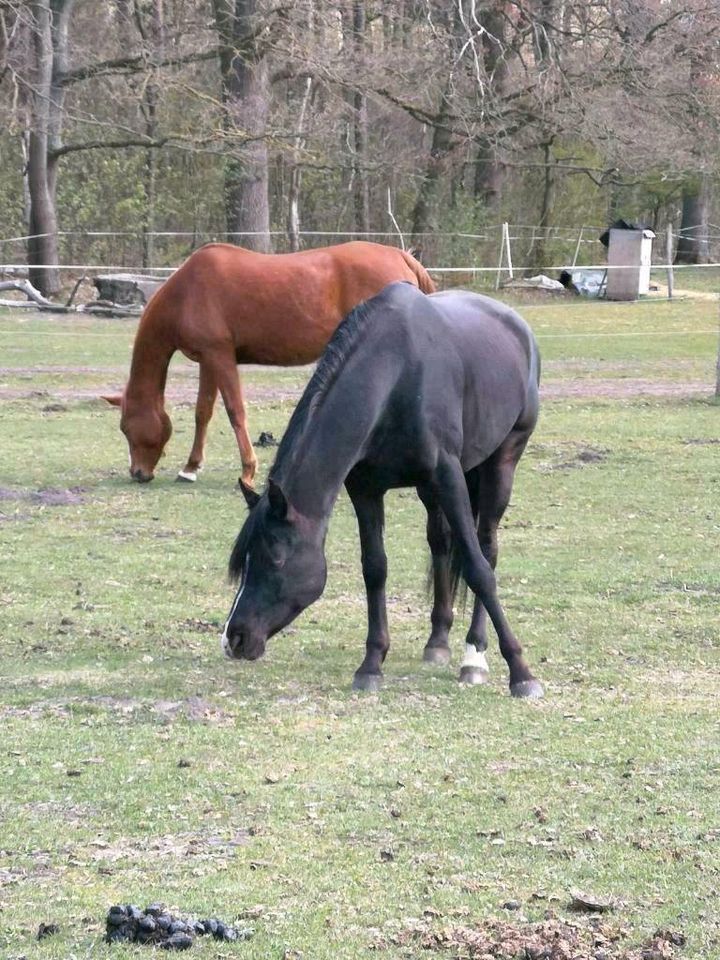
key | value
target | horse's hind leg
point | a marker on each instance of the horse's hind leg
(492, 485)
(437, 649)
(370, 516)
(207, 394)
(455, 501)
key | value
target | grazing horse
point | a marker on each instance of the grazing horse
(225, 306)
(439, 393)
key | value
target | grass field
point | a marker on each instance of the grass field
(138, 765)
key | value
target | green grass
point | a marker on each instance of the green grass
(111, 606)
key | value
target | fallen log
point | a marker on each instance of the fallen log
(24, 286)
(106, 308)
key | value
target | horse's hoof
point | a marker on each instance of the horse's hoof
(370, 682)
(186, 476)
(527, 689)
(439, 656)
(473, 676)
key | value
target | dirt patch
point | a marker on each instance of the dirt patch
(53, 497)
(551, 939)
(195, 709)
(71, 814)
(621, 389)
(182, 391)
(47, 497)
(197, 625)
(177, 845)
(50, 497)
(178, 395)
(41, 369)
(25, 875)
(688, 587)
(568, 456)
(660, 291)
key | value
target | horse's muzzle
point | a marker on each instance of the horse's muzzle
(241, 646)
(140, 476)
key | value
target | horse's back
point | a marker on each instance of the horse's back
(484, 324)
(472, 360)
(274, 308)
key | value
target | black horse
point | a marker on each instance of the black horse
(436, 392)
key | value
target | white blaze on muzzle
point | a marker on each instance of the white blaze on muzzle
(224, 640)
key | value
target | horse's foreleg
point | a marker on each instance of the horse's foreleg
(370, 516)
(453, 495)
(207, 394)
(225, 371)
(437, 649)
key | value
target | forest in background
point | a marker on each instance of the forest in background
(269, 118)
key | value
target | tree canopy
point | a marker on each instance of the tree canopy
(268, 117)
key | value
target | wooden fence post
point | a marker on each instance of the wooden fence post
(504, 251)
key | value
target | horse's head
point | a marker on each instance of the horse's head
(147, 429)
(279, 560)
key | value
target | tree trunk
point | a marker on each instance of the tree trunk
(295, 176)
(246, 96)
(424, 213)
(489, 172)
(543, 33)
(153, 35)
(539, 258)
(361, 191)
(489, 177)
(49, 50)
(693, 246)
(423, 216)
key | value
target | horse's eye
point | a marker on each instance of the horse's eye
(275, 552)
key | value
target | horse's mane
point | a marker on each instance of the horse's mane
(336, 353)
(236, 563)
(326, 373)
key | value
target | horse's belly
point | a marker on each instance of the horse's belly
(485, 427)
(295, 344)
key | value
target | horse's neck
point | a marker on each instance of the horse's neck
(151, 356)
(333, 442)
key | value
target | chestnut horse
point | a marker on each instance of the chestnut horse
(226, 305)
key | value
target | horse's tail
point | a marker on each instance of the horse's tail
(457, 582)
(424, 280)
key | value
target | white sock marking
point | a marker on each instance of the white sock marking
(474, 658)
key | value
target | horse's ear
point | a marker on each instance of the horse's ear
(251, 495)
(114, 401)
(278, 501)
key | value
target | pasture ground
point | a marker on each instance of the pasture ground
(137, 765)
